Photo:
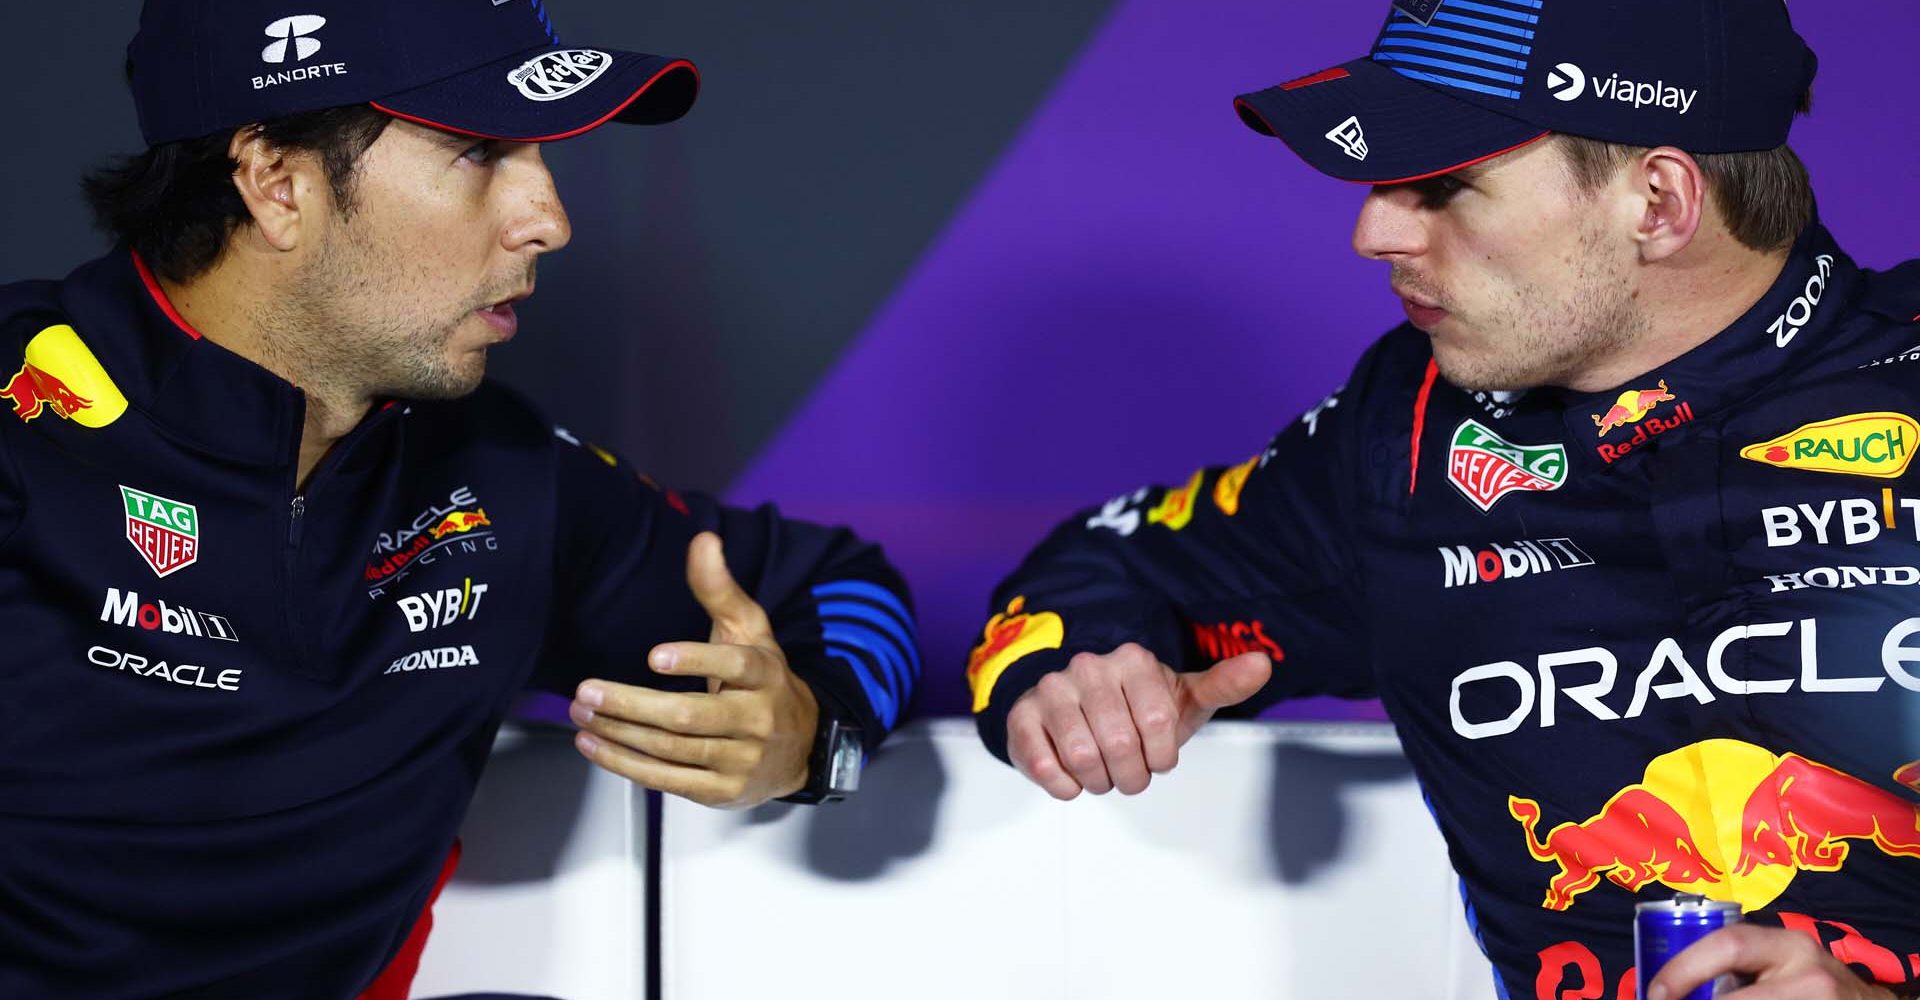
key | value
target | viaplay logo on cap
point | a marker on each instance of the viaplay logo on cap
(553, 76)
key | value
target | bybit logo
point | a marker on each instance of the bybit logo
(292, 32)
(1567, 81)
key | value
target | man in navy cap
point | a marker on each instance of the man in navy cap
(275, 561)
(1621, 525)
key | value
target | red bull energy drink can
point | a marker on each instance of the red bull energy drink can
(1664, 929)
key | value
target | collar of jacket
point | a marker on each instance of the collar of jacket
(194, 390)
(1789, 330)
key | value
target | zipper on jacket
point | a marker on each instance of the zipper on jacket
(296, 520)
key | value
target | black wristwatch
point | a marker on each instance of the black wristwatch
(833, 768)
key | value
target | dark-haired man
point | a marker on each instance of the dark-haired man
(1621, 526)
(274, 560)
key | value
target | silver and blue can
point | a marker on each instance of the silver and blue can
(1664, 929)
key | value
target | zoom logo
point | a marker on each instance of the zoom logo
(292, 32)
(1567, 82)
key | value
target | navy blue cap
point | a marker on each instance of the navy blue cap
(489, 68)
(1450, 83)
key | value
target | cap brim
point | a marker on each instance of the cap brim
(490, 103)
(1361, 121)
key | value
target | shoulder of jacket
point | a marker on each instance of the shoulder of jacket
(26, 308)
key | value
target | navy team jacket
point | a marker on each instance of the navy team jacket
(1662, 638)
(239, 724)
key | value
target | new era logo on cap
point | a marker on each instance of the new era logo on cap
(293, 32)
(1351, 139)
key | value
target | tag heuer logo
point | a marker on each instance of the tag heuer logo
(165, 532)
(1485, 467)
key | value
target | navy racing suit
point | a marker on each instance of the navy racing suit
(240, 720)
(1662, 638)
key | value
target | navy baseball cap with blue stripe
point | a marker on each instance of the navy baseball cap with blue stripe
(1450, 83)
(490, 68)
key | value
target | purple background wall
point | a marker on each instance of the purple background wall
(1141, 286)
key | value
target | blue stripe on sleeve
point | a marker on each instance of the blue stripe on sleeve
(898, 677)
(866, 591)
(883, 702)
(885, 623)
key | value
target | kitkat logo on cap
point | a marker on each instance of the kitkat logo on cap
(552, 76)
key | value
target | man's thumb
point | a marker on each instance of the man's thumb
(733, 611)
(1228, 682)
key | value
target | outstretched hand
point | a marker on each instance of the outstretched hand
(743, 741)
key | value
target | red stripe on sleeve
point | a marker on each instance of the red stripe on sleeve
(1420, 420)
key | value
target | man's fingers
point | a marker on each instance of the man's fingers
(1113, 729)
(1072, 738)
(1743, 949)
(1154, 716)
(686, 713)
(736, 617)
(1033, 754)
(707, 752)
(700, 785)
(733, 665)
(1228, 682)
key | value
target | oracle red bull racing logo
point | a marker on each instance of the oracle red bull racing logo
(59, 375)
(1726, 819)
(1486, 467)
(458, 526)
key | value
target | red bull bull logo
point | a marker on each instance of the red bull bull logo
(59, 374)
(1636, 840)
(1009, 636)
(460, 522)
(1804, 812)
(1726, 819)
(34, 392)
(1631, 407)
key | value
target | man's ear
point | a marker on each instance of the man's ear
(284, 190)
(1674, 191)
